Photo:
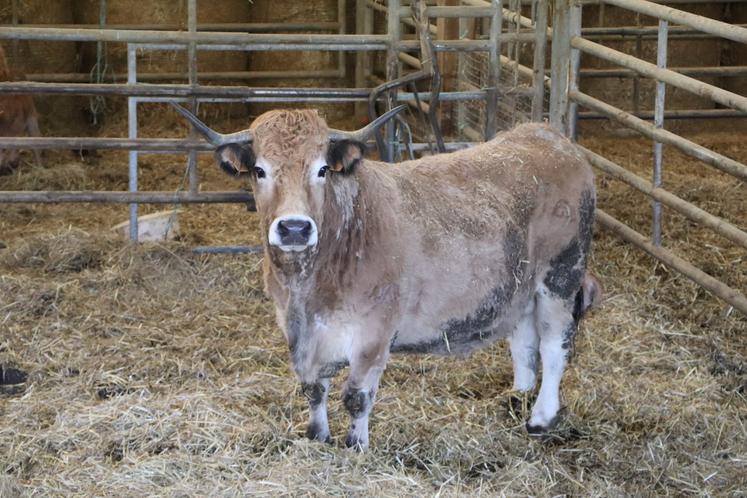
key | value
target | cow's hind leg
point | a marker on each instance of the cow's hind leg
(316, 393)
(556, 326)
(524, 343)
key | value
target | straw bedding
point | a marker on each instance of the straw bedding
(154, 371)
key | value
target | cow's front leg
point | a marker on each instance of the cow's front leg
(557, 328)
(316, 393)
(359, 393)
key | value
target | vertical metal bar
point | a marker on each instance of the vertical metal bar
(636, 95)
(560, 55)
(132, 133)
(360, 56)
(661, 61)
(342, 27)
(14, 20)
(540, 47)
(368, 28)
(494, 70)
(575, 63)
(461, 107)
(392, 71)
(100, 44)
(194, 177)
(516, 47)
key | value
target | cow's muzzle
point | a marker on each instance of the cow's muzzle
(293, 233)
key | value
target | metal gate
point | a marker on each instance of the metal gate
(500, 80)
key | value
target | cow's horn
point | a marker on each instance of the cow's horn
(215, 138)
(365, 132)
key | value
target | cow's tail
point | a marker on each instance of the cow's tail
(588, 296)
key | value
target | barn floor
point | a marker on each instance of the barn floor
(156, 371)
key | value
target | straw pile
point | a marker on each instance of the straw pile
(153, 371)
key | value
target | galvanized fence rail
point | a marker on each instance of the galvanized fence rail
(568, 43)
(504, 27)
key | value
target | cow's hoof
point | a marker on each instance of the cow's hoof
(355, 443)
(542, 429)
(316, 433)
(12, 376)
(12, 380)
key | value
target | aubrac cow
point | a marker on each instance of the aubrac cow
(443, 255)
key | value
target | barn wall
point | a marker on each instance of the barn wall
(164, 12)
(309, 10)
(26, 56)
(736, 53)
(681, 53)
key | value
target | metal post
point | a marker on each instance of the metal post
(494, 70)
(538, 72)
(661, 61)
(361, 10)
(98, 102)
(392, 71)
(560, 55)
(132, 133)
(515, 46)
(14, 21)
(575, 63)
(461, 73)
(636, 95)
(194, 178)
(342, 27)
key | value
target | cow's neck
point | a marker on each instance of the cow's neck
(346, 234)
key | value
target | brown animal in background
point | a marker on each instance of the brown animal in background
(445, 254)
(17, 118)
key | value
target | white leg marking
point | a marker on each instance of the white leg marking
(553, 320)
(358, 434)
(318, 423)
(524, 345)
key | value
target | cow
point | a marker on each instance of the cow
(444, 254)
(17, 117)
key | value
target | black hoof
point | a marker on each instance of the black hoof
(354, 443)
(12, 381)
(12, 376)
(540, 430)
(316, 433)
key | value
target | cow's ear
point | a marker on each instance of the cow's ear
(235, 159)
(344, 155)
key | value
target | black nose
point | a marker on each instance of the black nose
(294, 232)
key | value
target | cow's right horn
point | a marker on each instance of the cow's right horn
(215, 138)
(368, 130)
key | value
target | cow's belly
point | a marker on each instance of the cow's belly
(462, 293)
(444, 331)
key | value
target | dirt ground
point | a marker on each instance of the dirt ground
(155, 371)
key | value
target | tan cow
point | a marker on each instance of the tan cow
(17, 117)
(444, 254)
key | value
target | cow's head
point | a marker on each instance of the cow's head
(293, 161)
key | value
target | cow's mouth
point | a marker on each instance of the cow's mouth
(294, 248)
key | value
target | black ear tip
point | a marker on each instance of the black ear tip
(228, 168)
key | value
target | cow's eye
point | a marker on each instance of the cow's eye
(323, 171)
(259, 172)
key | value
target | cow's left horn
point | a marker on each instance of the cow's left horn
(212, 136)
(365, 132)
